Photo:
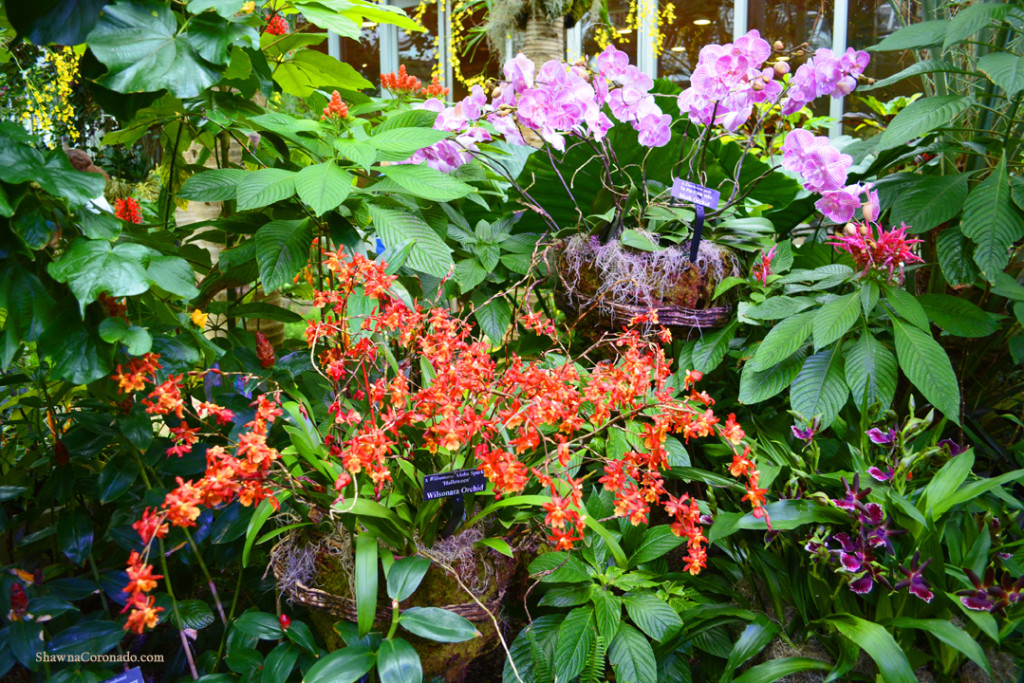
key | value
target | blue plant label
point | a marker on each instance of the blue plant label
(697, 194)
(130, 676)
(451, 484)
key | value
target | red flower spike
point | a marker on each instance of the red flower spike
(336, 109)
(264, 350)
(128, 210)
(286, 621)
(277, 26)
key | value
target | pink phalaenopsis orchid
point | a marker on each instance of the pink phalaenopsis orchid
(874, 248)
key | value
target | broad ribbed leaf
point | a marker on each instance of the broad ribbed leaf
(74, 535)
(607, 613)
(925, 66)
(404, 141)
(632, 657)
(173, 275)
(429, 255)
(992, 221)
(834, 319)
(938, 495)
(820, 388)
(783, 340)
(323, 186)
(922, 116)
(532, 650)
(924, 34)
(879, 644)
(927, 366)
(426, 182)
(906, 306)
(567, 596)
(92, 267)
(282, 250)
(263, 187)
(958, 316)
(760, 385)
(870, 371)
(309, 70)
(778, 307)
(214, 185)
(656, 541)
(709, 351)
(575, 636)
(1005, 70)
(493, 314)
(972, 19)
(930, 201)
(563, 568)
(654, 616)
(954, 254)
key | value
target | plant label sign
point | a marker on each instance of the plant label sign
(130, 676)
(450, 484)
(697, 194)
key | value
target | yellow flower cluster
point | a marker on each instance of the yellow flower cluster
(666, 17)
(49, 104)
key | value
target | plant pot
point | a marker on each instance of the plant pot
(316, 571)
(609, 284)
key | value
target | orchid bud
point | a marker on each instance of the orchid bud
(781, 68)
(870, 212)
(757, 85)
(850, 229)
(767, 75)
(779, 46)
(865, 230)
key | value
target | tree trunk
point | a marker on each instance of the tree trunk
(544, 37)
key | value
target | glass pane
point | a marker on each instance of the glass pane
(686, 27)
(363, 55)
(474, 61)
(418, 50)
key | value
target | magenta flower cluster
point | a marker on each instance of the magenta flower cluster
(874, 248)
(824, 169)
(824, 74)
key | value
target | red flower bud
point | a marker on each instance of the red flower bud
(264, 350)
(60, 453)
(286, 621)
(19, 602)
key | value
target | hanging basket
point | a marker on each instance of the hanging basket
(607, 285)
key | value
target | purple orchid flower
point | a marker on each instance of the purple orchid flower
(881, 475)
(807, 435)
(879, 437)
(915, 580)
(954, 448)
(853, 494)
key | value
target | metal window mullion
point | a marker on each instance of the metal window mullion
(334, 44)
(574, 42)
(740, 19)
(840, 21)
(648, 24)
(444, 32)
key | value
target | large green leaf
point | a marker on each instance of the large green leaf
(632, 657)
(927, 366)
(282, 250)
(213, 185)
(930, 201)
(426, 182)
(493, 314)
(173, 275)
(760, 385)
(77, 355)
(563, 568)
(656, 541)
(429, 255)
(938, 495)
(438, 624)
(752, 641)
(323, 186)
(923, 34)
(957, 316)
(949, 634)
(925, 66)
(263, 187)
(279, 663)
(879, 644)
(225, 8)
(405, 575)
(820, 388)
(971, 19)
(922, 116)
(774, 669)
(398, 662)
(64, 23)
(710, 349)
(607, 612)
(870, 372)
(992, 221)
(93, 267)
(212, 37)
(783, 341)
(778, 307)
(140, 45)
(575, 637)
(366, 581)
(402, 142)
(906, 306)
(346, 665)
(1004, 69)
(654, 616)
(954, 254)
(835, 319)
(75, 534)
(310, 70)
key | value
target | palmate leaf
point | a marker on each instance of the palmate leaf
(927, 366)
(140, 45)
(91, 267)
(930, 201)
(870, 371)
(992, 221)
(64, 23)
(922, 116)
(820, 388)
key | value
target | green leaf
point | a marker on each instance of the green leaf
(957, 316)
(323, 186)
(870, 372)
(566, 596)
(225, 8)
(426, 182)
(637, 240)
(74, 534)
(470, 273)
(923, 34)
(575, 637)
(709, 350)
(381, 14)
(971, 19)
(954, 254)
(930, 201)
(775, 669)
(907, 306)
(173, 275)
(778, 307)
(263, 187)
(656, 542)
(493, 314)
(92, 636)
(256, 522)
(405, 576)
(607, 612)
(835, 319)
(77, 355)
(499, 544)
(949, 634)
(440, 625)
(93, 267)
(654, 616)
(356, 151)
(782, 341)
(925, 66)
(282, 250)
(921, 117)
(757, 386)
(140, 45)
(211, 37)
(195, 614)
(115, 478)
(346, 665)
(366, 581)
(62, 23)
(752, 641)
(820, 388)
(259, 625)
(564, 568)
(938, 495)
(137, 339)
(213, 185)
(632, 657)
(279, 663)
(1004, 69)
(300, 634)
(992, 221)
(310, 70)
(398, 662)
(879, 644)
(927, 366)
(401, 143)
(99, 226)
(429, 255)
